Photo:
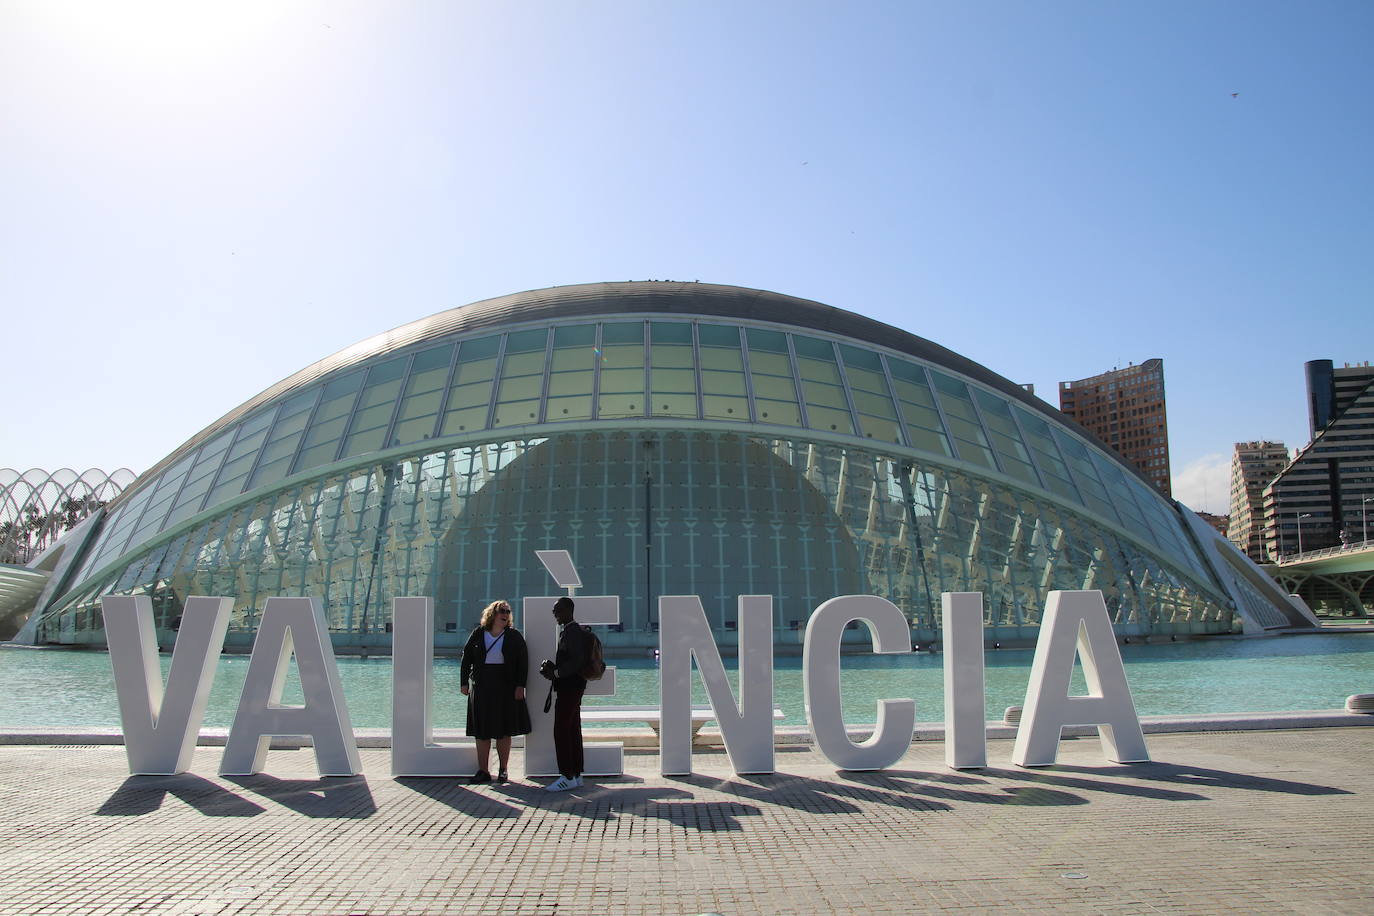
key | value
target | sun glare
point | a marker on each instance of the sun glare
(166, 30)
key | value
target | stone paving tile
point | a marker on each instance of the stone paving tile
(1257, 822)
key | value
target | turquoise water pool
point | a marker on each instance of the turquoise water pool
(75, 688)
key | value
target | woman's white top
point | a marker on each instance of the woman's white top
(494, 656)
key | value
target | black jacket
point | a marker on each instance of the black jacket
(512, 650)
(574, 652)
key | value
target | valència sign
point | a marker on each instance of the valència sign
(161, 725)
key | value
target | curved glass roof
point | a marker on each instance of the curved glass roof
(397, 394)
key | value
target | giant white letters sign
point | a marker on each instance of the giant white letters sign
(160, 731)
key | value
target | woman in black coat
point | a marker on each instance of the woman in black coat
(493, 676)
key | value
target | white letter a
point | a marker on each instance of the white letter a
(1077, 620)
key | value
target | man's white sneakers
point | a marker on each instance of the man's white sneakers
(563, 784)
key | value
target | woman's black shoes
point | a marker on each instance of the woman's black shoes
(501, 777)
(479, 777)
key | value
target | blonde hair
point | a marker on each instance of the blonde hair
(490, 611)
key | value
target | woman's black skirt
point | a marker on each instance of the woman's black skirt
(493, 710)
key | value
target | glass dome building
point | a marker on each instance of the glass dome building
(676, 438)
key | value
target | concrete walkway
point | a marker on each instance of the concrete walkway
(1243, 822)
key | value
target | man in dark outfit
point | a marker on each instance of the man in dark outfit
(566, 673)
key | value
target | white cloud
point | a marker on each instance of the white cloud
(1204, 484)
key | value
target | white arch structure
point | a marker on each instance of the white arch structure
(40, 496)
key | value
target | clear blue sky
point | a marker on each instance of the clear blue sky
(198, 199)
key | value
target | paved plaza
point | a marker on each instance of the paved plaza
(1252, 822)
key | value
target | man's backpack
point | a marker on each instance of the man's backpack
(596, 663)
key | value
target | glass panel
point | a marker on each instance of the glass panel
(731, 383)
(775, 391)
(825, 395)
(478, 349)
(1115, 480)
(366, 441)
(761, 341)
(718, 335)
(917, 405)
(773, 387)
(527, 341)
(856, 360)
(876, 405)
(201, 476)
(424, 392)
(724, 392)
(673, 382)
(826, 406)
(622, 405)
(622, 370)
(622, 333)
(771, 363)
(470, 395)
(565, 383)
(1094, 495)
(785, 413)
(413, 430)
(429, 371)
(883, 429)
(520, 387)
(423, 404)
(829, 419)
(572, 373)
(963, 422)
(523, 364)
(816, 360)
(622, 380)
(376, 405)
(928, 440)
(465, 420)
(719, 407)
(577, 407)
(1045, 453)
(158, 506)
(666, 404)
(574, 348)
(574, 337)
(676, 333)
(322, 438)
(715, 358)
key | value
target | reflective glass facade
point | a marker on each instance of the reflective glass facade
(755, 455)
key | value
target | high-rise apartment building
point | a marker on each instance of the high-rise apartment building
(1219, 522)
(1253, 466)
(1319, 499)
(1125, 409)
